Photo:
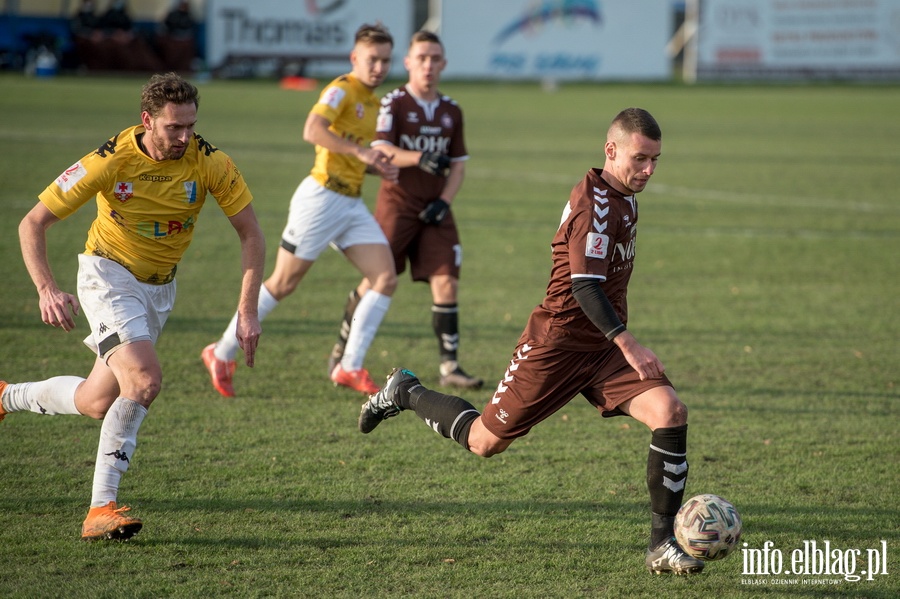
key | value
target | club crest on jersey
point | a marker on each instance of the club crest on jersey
(124, 191)
(190, 188)
(597, 245)
(360, 110)
(71, 176)
(446, 121)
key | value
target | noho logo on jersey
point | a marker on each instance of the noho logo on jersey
(425, 143)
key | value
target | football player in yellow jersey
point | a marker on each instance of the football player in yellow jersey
(150, 182)
(326, 209)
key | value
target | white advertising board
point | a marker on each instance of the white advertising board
(300, 28)
(557, 39)
(743, 39)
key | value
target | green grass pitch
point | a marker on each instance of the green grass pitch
(767, 280)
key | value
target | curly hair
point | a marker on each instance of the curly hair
(167, 88)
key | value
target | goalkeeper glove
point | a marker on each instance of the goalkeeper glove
(434, 163)
(434, 212)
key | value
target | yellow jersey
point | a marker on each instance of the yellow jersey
(146, 209)
(352, 109)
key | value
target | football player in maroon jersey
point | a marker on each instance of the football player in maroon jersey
(422, 130)
(576, 342)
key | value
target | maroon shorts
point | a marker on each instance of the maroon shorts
(431, 249)
(540, 380)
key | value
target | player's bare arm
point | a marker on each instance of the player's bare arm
(381, 164)
(316, 131)
(644, 361)
(253, 256)
(432, 163)
(58, 308)
(401, 157)
(593, 301)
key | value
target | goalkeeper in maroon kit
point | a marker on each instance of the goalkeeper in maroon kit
(422, 130)
(576, 342)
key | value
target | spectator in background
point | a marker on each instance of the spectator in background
(126, 49)
(179, 22)
(116, 20)
(88, 37)
(85, 22)
(176, 38)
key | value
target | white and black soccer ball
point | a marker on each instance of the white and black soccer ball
(708, 527)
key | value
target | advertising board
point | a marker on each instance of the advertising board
(302, 30)
(557, 39)
(791, 39)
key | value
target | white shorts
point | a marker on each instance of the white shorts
(319, 217)
(119, 308)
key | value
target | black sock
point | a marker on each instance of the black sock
(349, 309)
(667, 470)
(661, 529)
(445, 322)
(447, 415)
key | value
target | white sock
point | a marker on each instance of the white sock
(366, 320)
(227, 347)
(51, 397)
(118, 439)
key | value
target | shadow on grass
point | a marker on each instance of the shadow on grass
(333, 524)
(761, 521)
(782, 394)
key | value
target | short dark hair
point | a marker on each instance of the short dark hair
(637, 120)
(373, 34)
(167, 88)
(425, 36)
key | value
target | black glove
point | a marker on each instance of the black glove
(434, 212)
(435, 164)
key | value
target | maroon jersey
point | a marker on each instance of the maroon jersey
(414, 124)
(595, 239)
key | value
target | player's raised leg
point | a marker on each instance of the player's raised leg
(50, 397)
(448, 415)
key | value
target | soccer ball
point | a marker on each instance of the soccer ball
(708, 527)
